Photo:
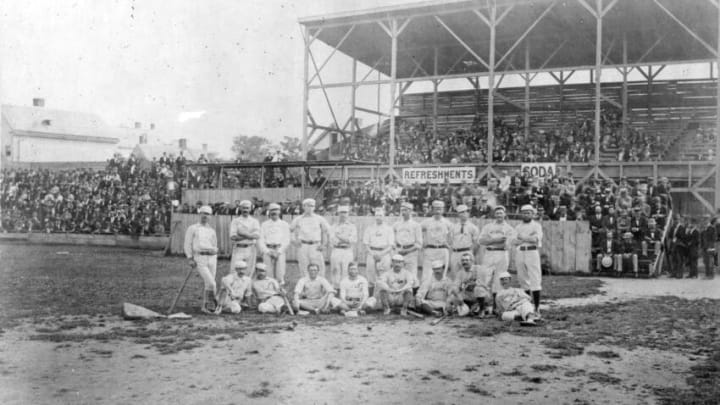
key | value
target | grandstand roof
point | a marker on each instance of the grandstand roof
(58, 124)
(656, 32)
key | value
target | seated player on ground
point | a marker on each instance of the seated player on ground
(395, 287)
(314, 293)
(514, 303)
(267, 292)
(473, 285)
(354, 293)
(235, 290)
(436, 295)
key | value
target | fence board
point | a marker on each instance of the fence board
(217, 195)
(565, 255)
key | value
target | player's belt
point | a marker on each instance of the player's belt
(435, 246)
(273, 245)
(206, 253)
(405, 247)
(377, 248)
(466, 249)
(533, 247)
(342, 246)
(497, 249)
(243, 244)
(310, 242)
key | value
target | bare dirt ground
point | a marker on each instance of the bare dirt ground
(62, 341)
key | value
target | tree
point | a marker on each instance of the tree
(291, 147)
(250, 148)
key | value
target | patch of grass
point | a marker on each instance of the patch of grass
(543, 367)
(605, 354)
(556, 287)
(603, 378)
(477, 390)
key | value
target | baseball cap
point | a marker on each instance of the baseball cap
(205, 209)
(398, 258)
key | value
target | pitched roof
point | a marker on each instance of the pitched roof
(47, 121)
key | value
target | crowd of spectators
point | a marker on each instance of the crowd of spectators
(123, 198)
(572, 141)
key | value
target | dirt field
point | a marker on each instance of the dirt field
(613, 341)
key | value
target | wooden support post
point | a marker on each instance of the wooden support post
(393, 89)
(648, 98)
(491, 83)
(598, 72)
(527, 90)
(717, 125)
(353, 98)
(306, 93)
(624, 86)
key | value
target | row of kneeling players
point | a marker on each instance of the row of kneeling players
(436, 291)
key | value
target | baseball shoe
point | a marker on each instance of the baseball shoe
(386, 311)
(403, 312)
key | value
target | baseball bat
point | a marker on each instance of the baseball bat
(416, 314)
(437, 321)
(287, 302)
(182, 287)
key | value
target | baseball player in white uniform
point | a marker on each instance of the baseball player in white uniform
(244, 233)
(274, 241)
(408, 239)
(473, 284)
(436, 295)
(200, 248)
(379, 239)
(496, 237)
(354, 292)
(463, 238)
(395, 287)
(314, 293)
(343, 237)
(436, 231)
(512, 303)
(235, 290)
(267, 292)
(527, 242)
(310, 232)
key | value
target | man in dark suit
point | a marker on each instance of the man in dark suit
(677, 248)
(609, 220)
(628, 254)
(651, 238)
(708, 237)
(692, 242)
(605, 259)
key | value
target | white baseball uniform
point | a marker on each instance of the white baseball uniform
(275, 236)
(437, 233)
(201, 246)
(342, 252)
(527, 256)
(245, 249)
(408, 242)
(379, 239)
(463, 237)
(309, 230)
(496, 255)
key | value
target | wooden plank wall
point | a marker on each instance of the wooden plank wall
(230, 195)
(567, 244)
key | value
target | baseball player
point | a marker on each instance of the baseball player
(245, 232)
(512, 303)
(436, 295)
(354, 292)
(314, 293)
(436, 232)
(408, 239)
(343, 237)
(463, 237)
(495, 236)
(395, 287)
(527, 242)
(235, 290)
(267, 292)
(379, 240)
(472, 283)
(201, 250)
(310, 232)
(274, 241)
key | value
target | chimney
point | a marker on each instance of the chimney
(152, 126)
(204, 147)
(38, 102)
(143, 139)
(138, 125)
(182, 143)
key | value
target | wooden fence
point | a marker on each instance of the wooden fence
(566, 244)
(213, 196)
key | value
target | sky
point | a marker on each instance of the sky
(203, 70)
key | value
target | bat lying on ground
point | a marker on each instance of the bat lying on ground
(437, 321)
(416, 314)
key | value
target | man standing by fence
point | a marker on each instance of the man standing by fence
(379, 240)
(408, 238)
(311, 232)
(463, 236)
(343, 237)
(436, 231)
(274, 241)
(200, 248)
(528, 240)
(244, 233)
(495, 236)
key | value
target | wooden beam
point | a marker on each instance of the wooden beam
(466, 46)
(611, 101)
(692, 33)
(369, 111)
(527, 31)
(334, 49)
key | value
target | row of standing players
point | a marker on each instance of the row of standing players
(447, 268)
